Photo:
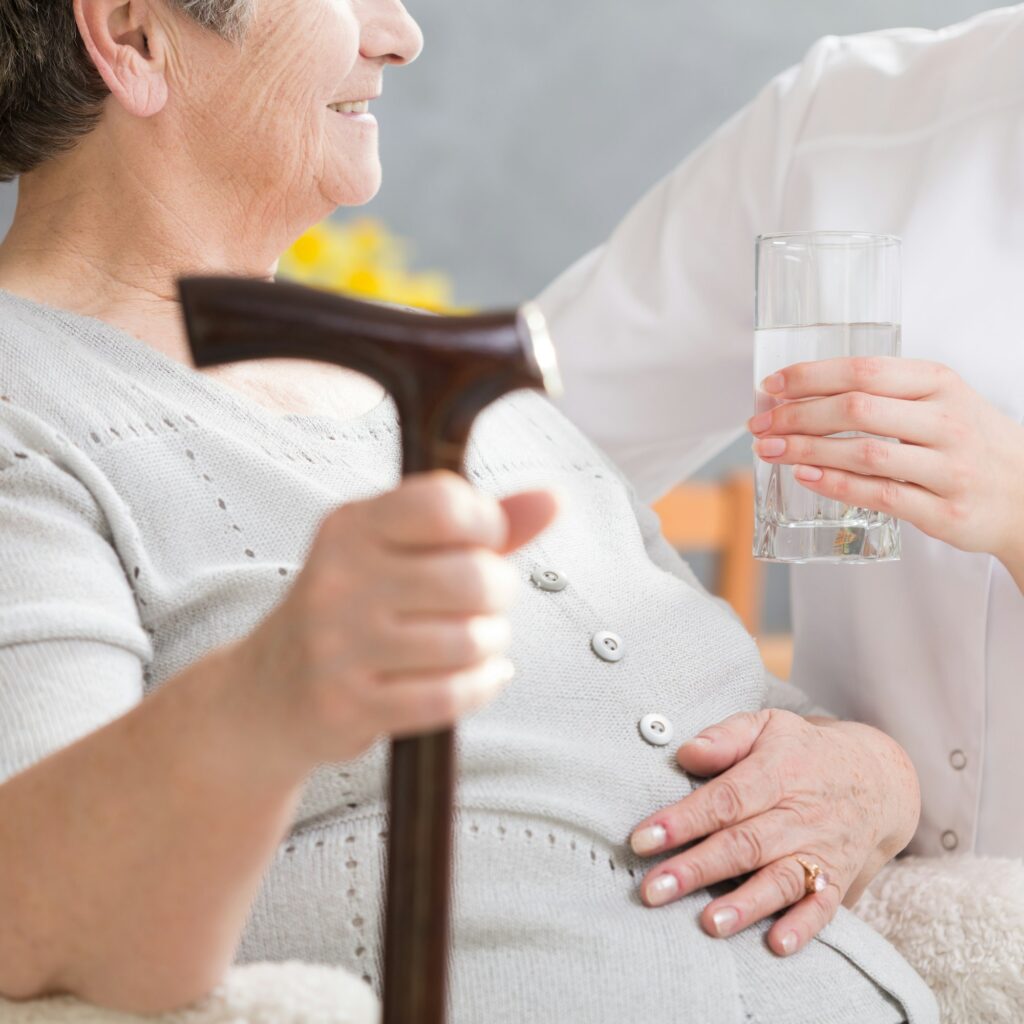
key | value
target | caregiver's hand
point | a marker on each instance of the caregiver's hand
(839, 794)
(396, 624)
(958, 475)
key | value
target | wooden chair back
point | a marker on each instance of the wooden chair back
(718, 516)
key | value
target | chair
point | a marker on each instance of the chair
(717, 516)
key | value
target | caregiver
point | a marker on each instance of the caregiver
(905, 132)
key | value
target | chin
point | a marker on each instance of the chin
(356, 189)
(348, 197)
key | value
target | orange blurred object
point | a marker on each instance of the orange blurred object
(717, 516)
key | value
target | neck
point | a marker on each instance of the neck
(109, 238)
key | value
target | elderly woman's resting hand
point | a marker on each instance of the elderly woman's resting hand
(838, 794)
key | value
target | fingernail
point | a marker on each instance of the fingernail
(809, 473)
(662, 889)
(725, 920)
(492, 632)
(504, 671)
(699, 741)
(770, 446)
(647, 840)
(774, 384)
(789, 942)
(494, 677)
(761, 422)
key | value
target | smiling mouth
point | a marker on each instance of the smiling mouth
(356, 107)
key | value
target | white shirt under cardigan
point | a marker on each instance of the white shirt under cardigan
(149, 514)
(907, 132)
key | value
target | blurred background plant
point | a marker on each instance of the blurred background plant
(362, 257)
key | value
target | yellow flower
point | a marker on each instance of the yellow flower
(307, 250)
(364, 281)
(365, 259)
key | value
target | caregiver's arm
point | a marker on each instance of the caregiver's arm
(654, 328)
(958, 475)
(129, 856)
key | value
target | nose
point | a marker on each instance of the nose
(390, 33)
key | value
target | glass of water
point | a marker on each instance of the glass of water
(821, 294)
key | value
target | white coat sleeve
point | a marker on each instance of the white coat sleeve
(654, 329)
(72, 646)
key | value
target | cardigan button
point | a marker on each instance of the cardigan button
(549, 579)
(950, 840)
(958, 759)
(656, 729)
(607, 646)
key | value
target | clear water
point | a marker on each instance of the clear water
(794, 524)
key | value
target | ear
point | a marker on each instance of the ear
(127, 44)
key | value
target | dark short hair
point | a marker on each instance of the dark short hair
(50, 92)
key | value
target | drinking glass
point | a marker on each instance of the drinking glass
(821, 294)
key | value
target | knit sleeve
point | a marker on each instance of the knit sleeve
(72, 646)
(779, 694)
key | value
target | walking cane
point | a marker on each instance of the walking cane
(441, 371)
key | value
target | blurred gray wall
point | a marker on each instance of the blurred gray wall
(526, 129)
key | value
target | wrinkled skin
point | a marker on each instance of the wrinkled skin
(254, 117)
(839, 794)
(210, 155)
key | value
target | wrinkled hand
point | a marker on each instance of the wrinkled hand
(958, 474)
(839, 794)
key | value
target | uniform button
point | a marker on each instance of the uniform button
(656, 729)
(607, 646)
(958, 759)
(950, 840)
(549, 579)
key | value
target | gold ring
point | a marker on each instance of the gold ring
(815, 879)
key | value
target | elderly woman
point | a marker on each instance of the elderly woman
(216, 601)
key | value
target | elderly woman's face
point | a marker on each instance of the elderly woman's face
(285, 113)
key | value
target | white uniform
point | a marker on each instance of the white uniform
(908, 132)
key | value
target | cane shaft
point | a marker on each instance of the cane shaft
(419, 878)
(422, 799)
